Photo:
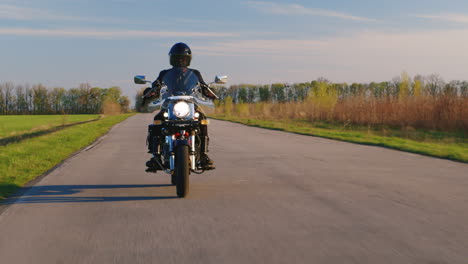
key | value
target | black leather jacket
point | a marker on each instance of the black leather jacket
(158, 81)
(154, 91)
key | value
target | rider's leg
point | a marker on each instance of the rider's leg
(154, 136)
(206, 162)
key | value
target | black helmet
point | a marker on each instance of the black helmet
(180, 55)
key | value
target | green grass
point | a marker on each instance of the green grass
(22, 161)
(14, 125)
(453, 146)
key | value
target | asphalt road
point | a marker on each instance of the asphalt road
(275, 198)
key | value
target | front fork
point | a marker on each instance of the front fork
(192, 152)
(172, 142)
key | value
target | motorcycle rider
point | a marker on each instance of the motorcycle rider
(180, 57)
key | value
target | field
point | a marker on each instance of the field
(17, 125)
(28, 154)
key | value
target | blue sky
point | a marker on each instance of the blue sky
(67, 42)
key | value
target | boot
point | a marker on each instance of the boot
(205, 161)
(154, 164)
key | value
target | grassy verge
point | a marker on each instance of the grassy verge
(437, 144)
(23, 161)
(14, 125)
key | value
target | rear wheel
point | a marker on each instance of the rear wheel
(182, 170)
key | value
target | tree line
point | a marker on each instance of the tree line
(40, 100)
(398, 87)
(422, 102)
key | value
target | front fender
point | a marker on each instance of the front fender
(181, 142)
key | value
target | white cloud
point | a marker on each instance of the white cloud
(364, 56)
(446, 17)
(281, 47)
(295, 9)
(25, 13)
(13, 12)
(91, 33)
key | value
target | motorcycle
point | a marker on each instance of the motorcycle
(183, 107)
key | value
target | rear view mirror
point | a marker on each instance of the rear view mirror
(221, 79)
(140, 79)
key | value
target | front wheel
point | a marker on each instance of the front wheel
(173, 178)
(182, 170)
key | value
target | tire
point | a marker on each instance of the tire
(173, 178)
(182, 170)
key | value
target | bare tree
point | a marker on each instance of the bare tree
(434, 84)
(9, 99)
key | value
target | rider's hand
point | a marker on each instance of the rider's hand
(210, 95)
(206, 92)
(151, 92)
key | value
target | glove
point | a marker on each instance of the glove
(151, 92)
(210, 95)
(206, 92)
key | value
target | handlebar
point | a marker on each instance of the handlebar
(150, 91)
(208, 87)
(201, 85)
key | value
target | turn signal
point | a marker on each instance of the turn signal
(205, 122)
(186, 134)
(157, 122)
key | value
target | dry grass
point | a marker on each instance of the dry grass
(111, 108)
(442, 113)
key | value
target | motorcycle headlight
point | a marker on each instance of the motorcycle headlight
(181, 109)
